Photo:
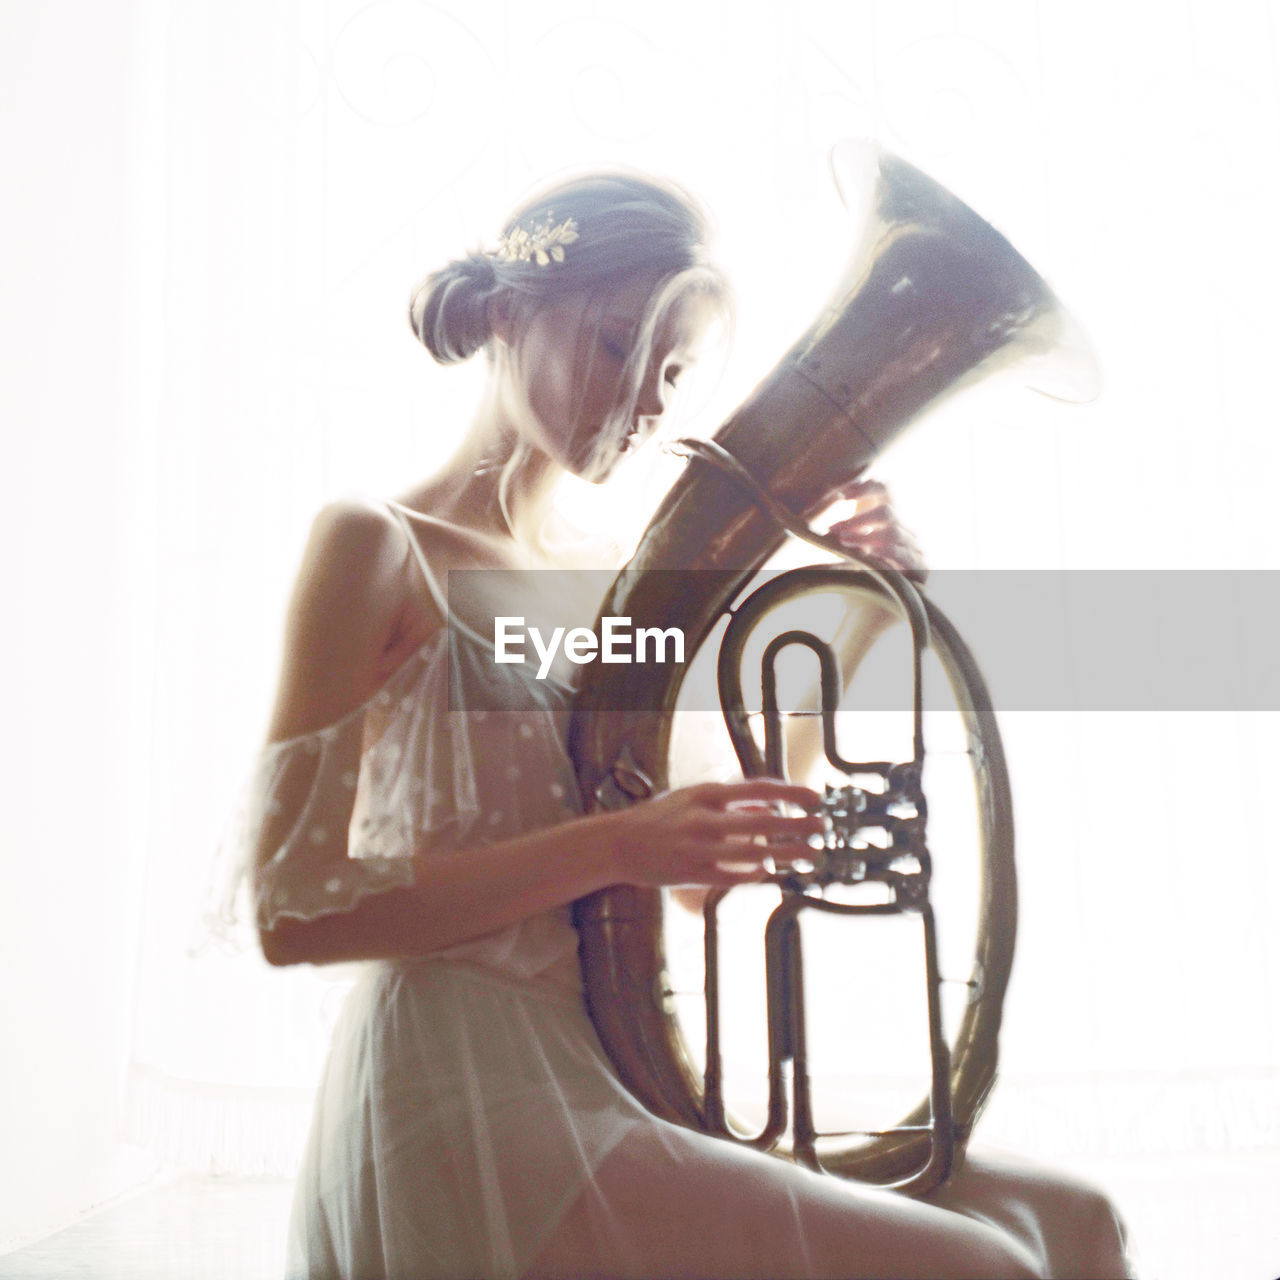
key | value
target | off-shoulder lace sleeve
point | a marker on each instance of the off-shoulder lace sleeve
(331, 816)
(334, 815)
(302, 808)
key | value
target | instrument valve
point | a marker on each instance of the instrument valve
(844, 866)
(907, 781)
(841, 802)
(911, 892)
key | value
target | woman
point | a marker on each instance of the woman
(468, 1123)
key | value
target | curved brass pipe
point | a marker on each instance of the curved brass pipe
(933, 298)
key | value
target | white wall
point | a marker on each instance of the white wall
(220, 209)
(72, 844)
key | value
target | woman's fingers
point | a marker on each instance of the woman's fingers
(870, 504)
(726, 876)
(860, 490)
(714, 833)
(769, 826)
(867, 521)
(873, 532)
(731, 842)
(885, 546)
(880, 524)
(772, 790)
(721, 869)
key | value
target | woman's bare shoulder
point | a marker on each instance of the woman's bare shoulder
(352, 610)
(351, 531)
(358, 554)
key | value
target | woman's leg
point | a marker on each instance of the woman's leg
(671, 1203)
(1069, 1223)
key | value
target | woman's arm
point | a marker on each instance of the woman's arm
(353, 617)
(352, 620)
(697, 835)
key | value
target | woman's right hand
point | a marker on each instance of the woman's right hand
(712, 833)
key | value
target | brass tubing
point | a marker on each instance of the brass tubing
(713, 1072)
(933, 299)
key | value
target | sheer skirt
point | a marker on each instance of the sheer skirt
(468, 1125)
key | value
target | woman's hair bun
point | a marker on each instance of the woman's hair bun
(585, 235)
(450, 310)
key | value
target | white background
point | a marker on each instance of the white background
(213, 217)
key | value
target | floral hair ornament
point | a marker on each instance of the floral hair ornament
(542, 245)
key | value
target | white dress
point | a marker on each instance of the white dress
(468, 1123)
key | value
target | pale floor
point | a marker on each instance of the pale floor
(1214, 1217)
(190, 1229)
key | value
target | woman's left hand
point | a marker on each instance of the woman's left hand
(873, 533)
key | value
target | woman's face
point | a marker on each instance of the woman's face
(575, 388)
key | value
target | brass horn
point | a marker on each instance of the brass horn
(933, 298)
